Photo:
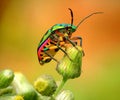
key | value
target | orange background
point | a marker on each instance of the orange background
(24, 22)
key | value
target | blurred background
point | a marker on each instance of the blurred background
(24, 22)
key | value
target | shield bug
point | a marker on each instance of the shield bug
(56, 38)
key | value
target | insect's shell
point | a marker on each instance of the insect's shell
(62, 26)
(54, 28)
(67, 28)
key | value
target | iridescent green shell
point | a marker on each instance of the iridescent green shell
(54, 28)
(62, 26)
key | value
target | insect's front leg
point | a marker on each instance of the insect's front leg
(77, 38)
(58, 45)
(71, 40)
(80, 39)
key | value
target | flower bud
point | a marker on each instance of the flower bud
(6, 77)
(70, 69)
(23, 88)
(65, 95)
(45, 85)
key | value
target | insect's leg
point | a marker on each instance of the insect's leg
(73, 43)
(59, 41)
(51, 56)
(77, 38)
(45, 51)
(63, 50)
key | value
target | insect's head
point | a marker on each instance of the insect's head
(66, 29)
(73, 28)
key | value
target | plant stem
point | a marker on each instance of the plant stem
(60, 86)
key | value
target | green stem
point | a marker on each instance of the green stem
(60, 87)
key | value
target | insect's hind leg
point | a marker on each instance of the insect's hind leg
(51, 56)
(56, 47)
(50, 48)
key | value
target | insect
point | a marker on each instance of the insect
(57, 38)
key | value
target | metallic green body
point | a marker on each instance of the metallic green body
(53, 29)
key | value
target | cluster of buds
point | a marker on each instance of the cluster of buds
(68, 68)
(45, 87)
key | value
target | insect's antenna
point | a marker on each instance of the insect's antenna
(71, 16)
(88, 17)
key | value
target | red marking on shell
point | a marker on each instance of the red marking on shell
(42, 47)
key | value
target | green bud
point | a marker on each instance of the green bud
(6, 77)
(45, 85)
(70, 69)
(65, 95)
(22, 87)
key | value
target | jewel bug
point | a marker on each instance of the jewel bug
(56, 38)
